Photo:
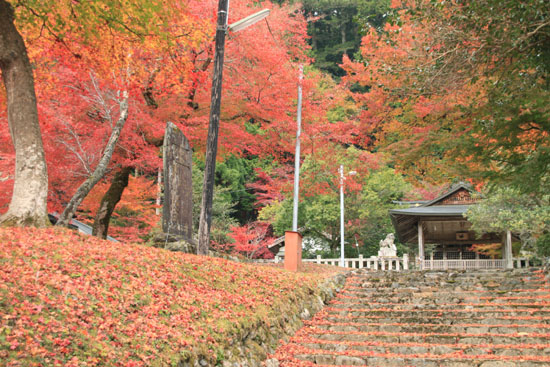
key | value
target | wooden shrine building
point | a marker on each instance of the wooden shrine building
(440, 222)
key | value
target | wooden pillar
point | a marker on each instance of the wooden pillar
(508, 251)
(421, 244)
(293, 251)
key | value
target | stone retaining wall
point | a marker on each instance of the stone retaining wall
(252, 344)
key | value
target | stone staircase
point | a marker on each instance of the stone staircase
(496, 318)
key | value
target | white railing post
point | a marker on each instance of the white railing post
(318, 259)
(375, 264)
(360, 261)
(397, 264)
(277, 259)
(405, 261)
(383, 263)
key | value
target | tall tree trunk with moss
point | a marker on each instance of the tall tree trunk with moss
(30, 189)
(109, 202)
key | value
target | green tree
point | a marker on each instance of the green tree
(223, 209)
(234, 174)
(381, 189)
(367, 200)
(502, 49)
(336, 28)
(509, 209)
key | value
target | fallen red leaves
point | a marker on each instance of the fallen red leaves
(70, 300)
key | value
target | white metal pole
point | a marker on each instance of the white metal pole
(342, 215)
(297, 155)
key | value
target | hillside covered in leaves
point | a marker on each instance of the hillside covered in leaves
(71, 300)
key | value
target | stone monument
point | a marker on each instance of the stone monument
(177, 212)
(387, 247)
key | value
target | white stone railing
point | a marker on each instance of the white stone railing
(472, 264)
(374, 263)
(402, 263)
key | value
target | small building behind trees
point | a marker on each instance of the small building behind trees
(444, 236)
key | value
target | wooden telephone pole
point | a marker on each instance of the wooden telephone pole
(212, 141)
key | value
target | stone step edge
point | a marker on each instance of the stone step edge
(428, 325)
(378, 317)
(312, 340)
(316, 331)
(386, 290)
(295, 350)
(415, 294)
(441, 311)
(341, 300)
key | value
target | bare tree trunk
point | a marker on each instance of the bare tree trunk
(159, 191)
(343, 33)
(101, 168)
(30, 189)
(109, 202)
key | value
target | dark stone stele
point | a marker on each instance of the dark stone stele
(177, 212)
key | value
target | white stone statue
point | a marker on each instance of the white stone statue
(387, 247)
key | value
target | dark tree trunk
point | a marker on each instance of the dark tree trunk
(109, 202)
(205, 219)
(30, 188)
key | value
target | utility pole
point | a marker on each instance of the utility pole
(205, 219)
(214, 123)
(342, 181)
(341, 171)
(297, 155)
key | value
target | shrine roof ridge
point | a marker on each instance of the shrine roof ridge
(448, 210)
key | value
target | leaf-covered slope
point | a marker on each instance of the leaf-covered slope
(71, 300)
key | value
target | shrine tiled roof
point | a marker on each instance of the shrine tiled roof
(445, 210)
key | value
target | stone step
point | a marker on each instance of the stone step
(457, 319)
(351, 301)
(476, 329)
(441, 301)
(401, 293)
(414, 348)
(494, 286)
(427, 278)
(507, 321)
(369, 358)
(458, 291)
(434, 337)
(421, 310)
